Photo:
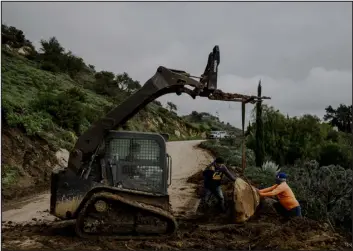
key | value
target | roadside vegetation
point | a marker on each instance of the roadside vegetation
(316, 154)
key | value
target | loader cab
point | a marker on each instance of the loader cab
(137, 161)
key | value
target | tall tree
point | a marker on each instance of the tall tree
(260, 151)
(126, 83)
(171, 106)
(340, 117)
(51, 47)
(92, 68)
(197, 117)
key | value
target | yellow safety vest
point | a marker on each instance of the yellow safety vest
(217, 175)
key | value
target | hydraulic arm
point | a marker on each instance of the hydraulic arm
(163, 82)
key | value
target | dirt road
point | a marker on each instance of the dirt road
(187, 159)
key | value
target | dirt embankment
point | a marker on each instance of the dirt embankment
(26, 164)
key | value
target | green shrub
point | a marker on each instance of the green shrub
(325, 192)
(262, 178)
(92, 114)
(33, 55)
(333, 136)
(105, 89)
(68, 137)
(66, 108)
(335, 154)
(48, 66)
(32, 123)
(232, 155)
(203, 127)
(231, 141)
(9, 175)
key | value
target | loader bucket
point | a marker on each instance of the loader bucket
(246, 200)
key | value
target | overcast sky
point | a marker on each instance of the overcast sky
(301, 51)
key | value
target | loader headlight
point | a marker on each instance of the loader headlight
(101, 206)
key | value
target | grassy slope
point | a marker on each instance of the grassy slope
(22, 82)
(30, 134)
(209, 123)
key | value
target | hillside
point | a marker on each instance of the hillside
(26, 91)
(50, 97)
(207, 122)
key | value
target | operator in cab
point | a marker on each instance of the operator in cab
(213, 175)
(287, 204)
(134, 151)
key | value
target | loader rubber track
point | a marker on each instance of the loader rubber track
(120, 214)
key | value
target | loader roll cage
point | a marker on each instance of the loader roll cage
(163, 82)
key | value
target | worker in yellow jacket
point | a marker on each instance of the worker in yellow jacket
(287, 204)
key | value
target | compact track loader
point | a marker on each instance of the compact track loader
(116, 182)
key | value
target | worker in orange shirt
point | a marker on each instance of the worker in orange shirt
(287, 204)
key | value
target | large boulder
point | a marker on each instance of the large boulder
(24, 51)
(246, 200)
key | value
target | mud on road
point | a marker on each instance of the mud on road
(29, 225)
(259, 234)
(187, 160)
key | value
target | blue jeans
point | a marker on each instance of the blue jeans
(217, 192)
(297, 211)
